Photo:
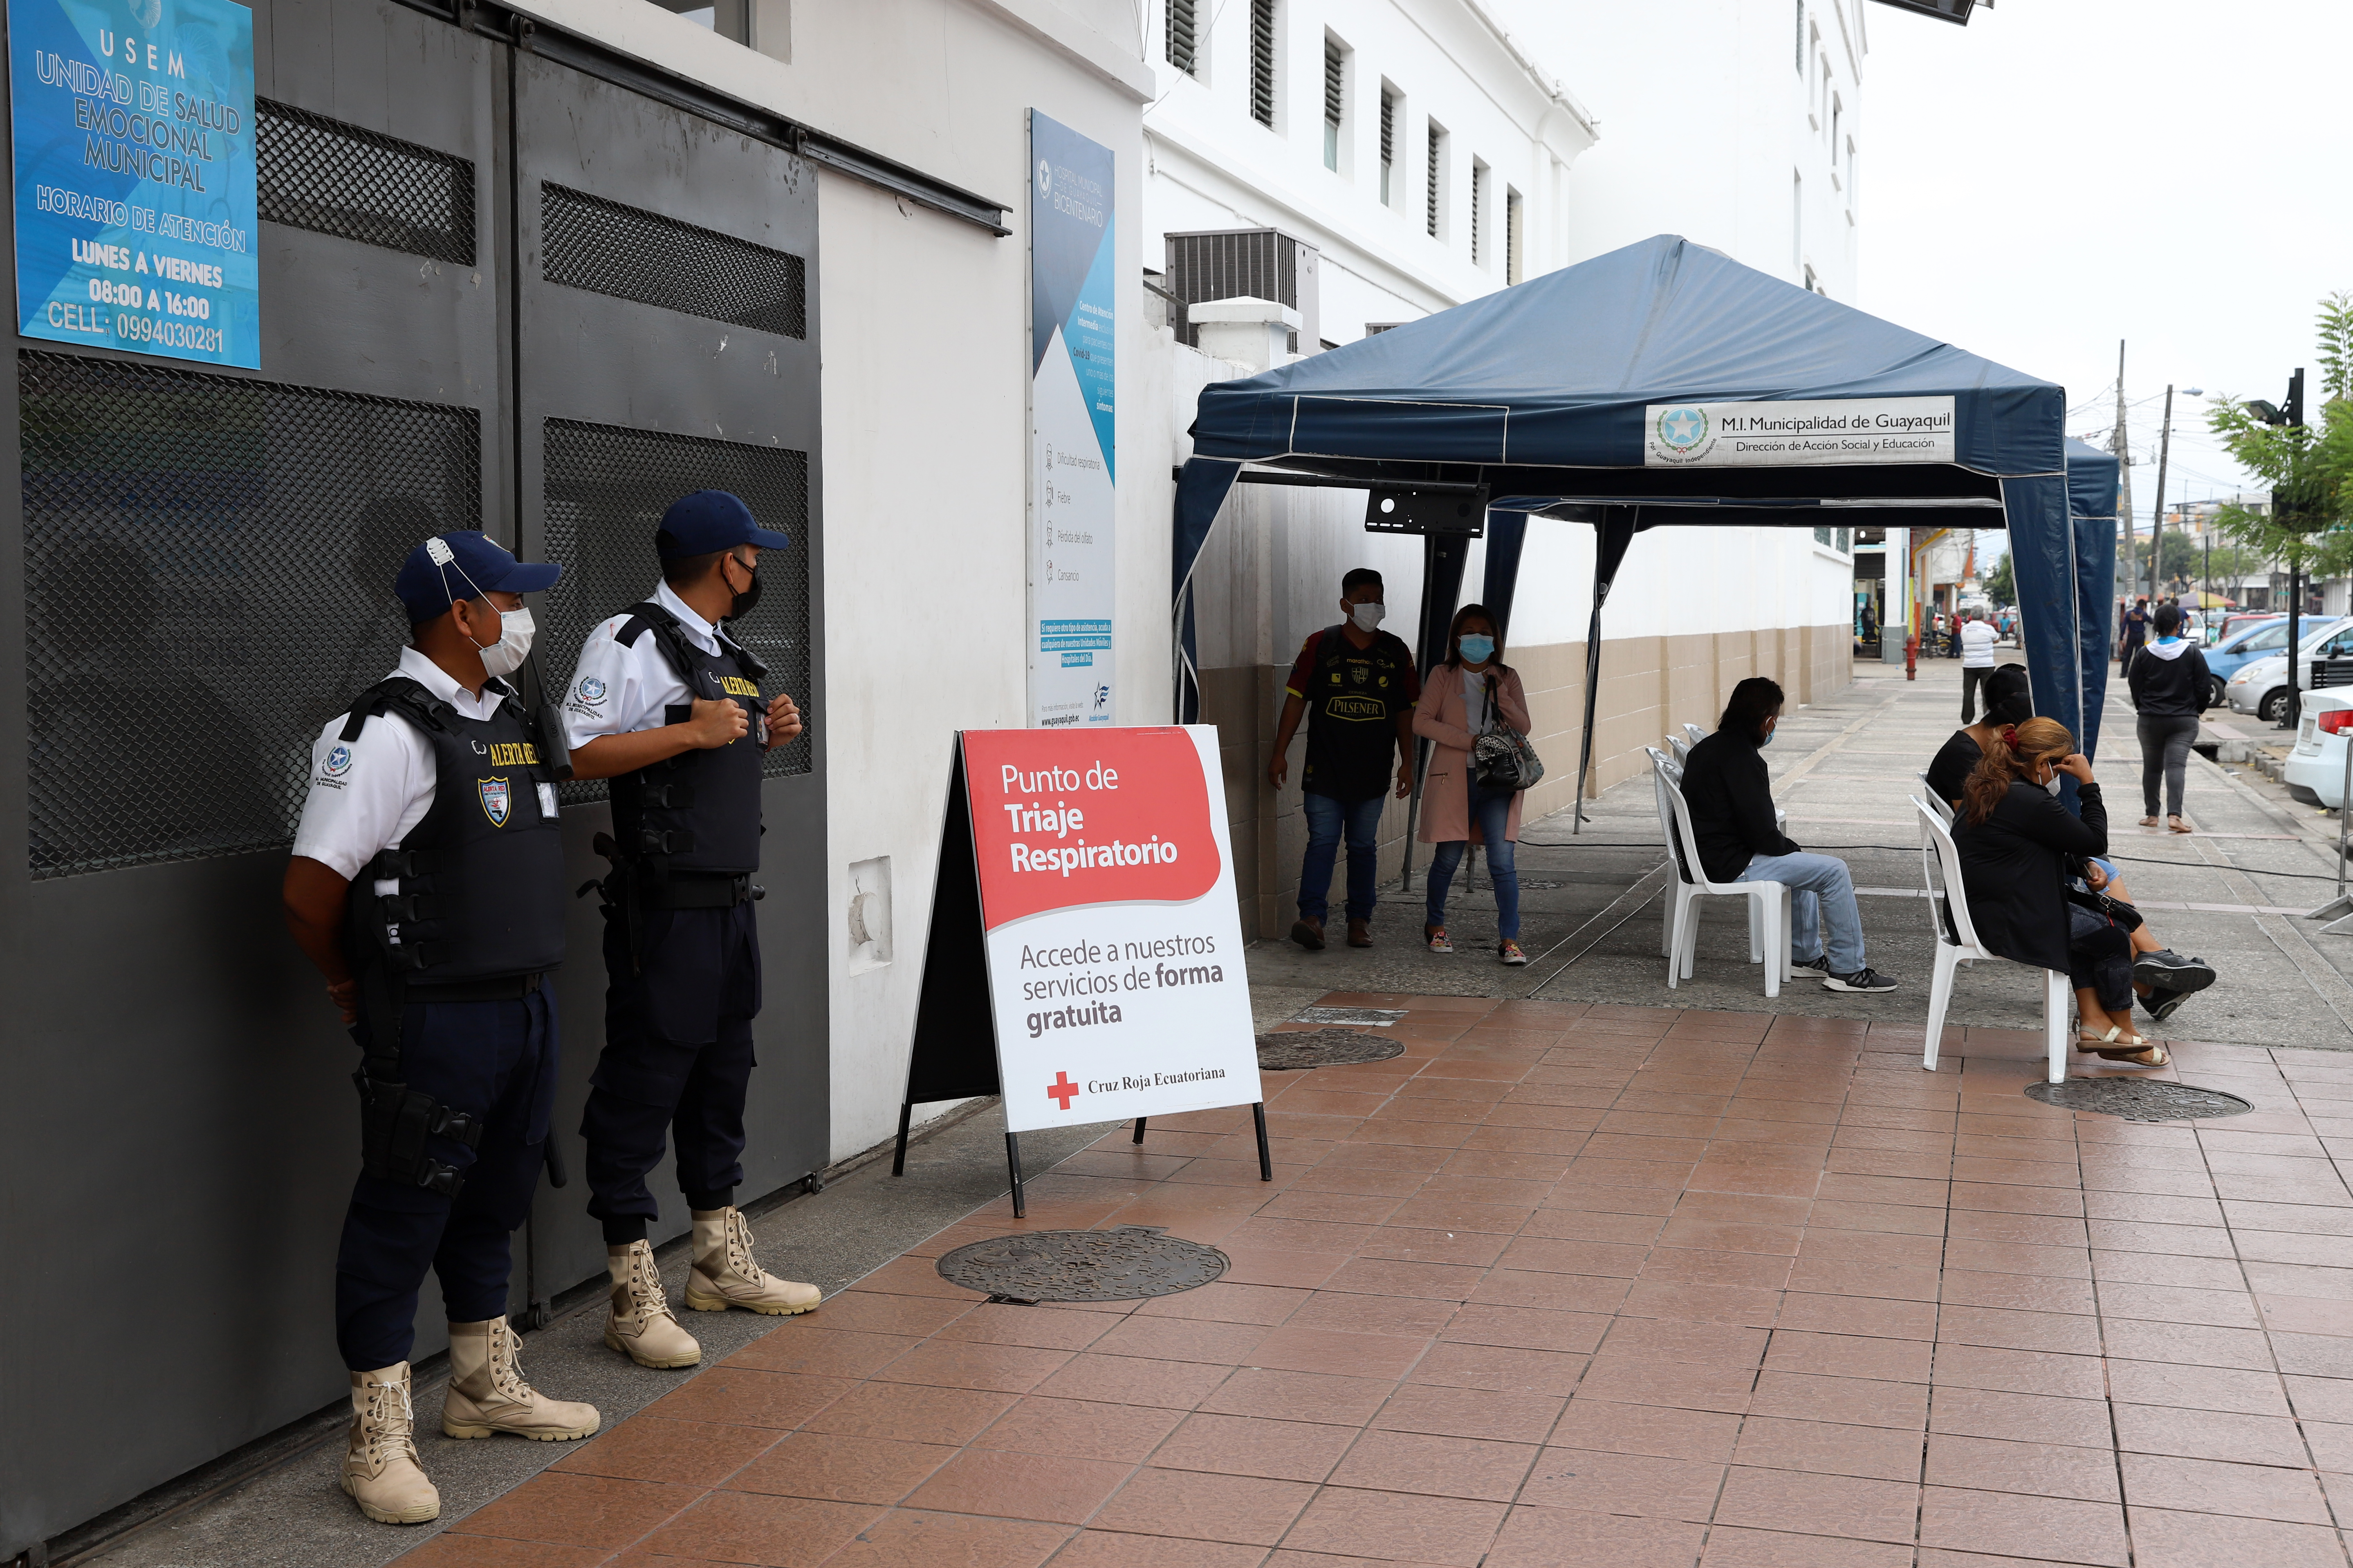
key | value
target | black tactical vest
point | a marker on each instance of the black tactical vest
(698, 813)
(481, 892)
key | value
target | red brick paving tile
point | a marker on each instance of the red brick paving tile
(2247, 1491)
(1352, 1179)
(2020, 1418)
(2208, 1434)
(915, 1277)
(907, 1539)
(1261, 1266)
(1552, 1292)
(1804, 1312)
(2167, 1304)
(1250, 1445)
(1498, 1369)
(1470, 1412)
(2163, 1538)
(1333, 1351)
(1179, 1339)
(1667, 1432)
(2039, 1469)
(1705, 1344)
(1850, 1401)
(1299, 1396)
(775, 1531)
(1703, 1303)
(1650, 1380)
(2058, 1529)
(835, 1468)
(457, 1549)
(817, 1349)
(1900, 1219)
(1248, 1510)
(1603, 1482)
(1108, 1549)
(1444, 1467)
(2003, 1328)
(1888, 1281)
(1833, 1247)
(1715, 1176)
(2009, 1199)
(2313, 1355)
(1879, 1453)
(2320, 1398)
(1353, 1526)
(1850, 1355)
(1380, 1278)
(1001, 1325)
(2191, 1343)
(1080, 1428)
(2019, 1293)
(1263, 1304)
(2019, 1371)
(1548, 1255)
(908, 1413)
(1525, 1328)
(740, 1397)
(2298, 1315)
(1828, 1505)
(690, 1453)
(1723, 1236)
(1730, 1548)
(2030, 1229)
(1412, 1317)
(1353, 1208)
(1051, 1487)
(1009, 1369)
(2243, 1393)
(1135, 1380)
(1748, 1270)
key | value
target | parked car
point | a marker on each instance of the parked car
(2260, 686)
(2250, 641)
(2315, 768)
(2233, 621)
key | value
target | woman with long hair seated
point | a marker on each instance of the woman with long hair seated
(2018, 849)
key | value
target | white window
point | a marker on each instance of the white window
(1262, 62)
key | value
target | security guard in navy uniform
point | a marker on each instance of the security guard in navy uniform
(668, 706)
(428, 886)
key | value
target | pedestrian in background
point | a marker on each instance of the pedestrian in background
(2170, 687)
(1356, 685)
(2135, 634)
(1468, 694)
(1977, 639)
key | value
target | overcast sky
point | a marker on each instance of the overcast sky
(2062, 173)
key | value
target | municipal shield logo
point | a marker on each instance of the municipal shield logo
(592, 691)
(1680, 429)
(339, 762)
(497, 800)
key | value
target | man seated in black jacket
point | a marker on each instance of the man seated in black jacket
(1731, 801)
(2170, 687)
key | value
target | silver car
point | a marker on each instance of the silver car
(2260, 686)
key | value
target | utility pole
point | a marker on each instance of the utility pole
(2121, 445)
(2157, 507)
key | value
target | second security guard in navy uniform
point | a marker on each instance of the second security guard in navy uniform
(428, 886)
(666, 705)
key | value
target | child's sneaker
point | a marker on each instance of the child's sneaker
(1509, 951)
(1436, 937)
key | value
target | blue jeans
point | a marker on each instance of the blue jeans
(1821, 895)
(1491, 810)
(1326, 820)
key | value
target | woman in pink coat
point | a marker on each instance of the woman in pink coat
(1467, 694)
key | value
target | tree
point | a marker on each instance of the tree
(2309, 468)
(2001, 583)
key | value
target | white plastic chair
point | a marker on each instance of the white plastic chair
(1944, 812)
(1666, 770)
(1940, 863)
(1680, 748)
(1695, 733)
(1768, 902)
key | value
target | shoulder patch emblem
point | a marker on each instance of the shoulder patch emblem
(592, 691)
(498, 800)
(338, 760)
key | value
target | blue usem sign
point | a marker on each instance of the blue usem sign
(132, 122)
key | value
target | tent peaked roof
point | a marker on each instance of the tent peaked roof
(1557, 371)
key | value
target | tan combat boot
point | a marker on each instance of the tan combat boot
(726, 1275)
(640, 1322)
(380, 1466)
(487, 1393)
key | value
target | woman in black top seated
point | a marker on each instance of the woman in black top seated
(2162, 978)
(2020, 848)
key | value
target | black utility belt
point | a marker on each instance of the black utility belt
(691, 893)
(497, 988)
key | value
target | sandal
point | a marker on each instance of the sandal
(2150, 1055)
(2086, 1040)
(1436, 937)
(2179, 825)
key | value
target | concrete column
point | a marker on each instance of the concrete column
(1896, 615)
(1250, 333)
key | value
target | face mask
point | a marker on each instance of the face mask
(749, 599)
(1368, 617)
(504, 656)
(1766, 740)
(2052, 787)
(1478, 649)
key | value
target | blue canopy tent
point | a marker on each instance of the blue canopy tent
(1638, 390)
(2092, 485)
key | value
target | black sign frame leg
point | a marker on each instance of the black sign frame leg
(1258, 1114)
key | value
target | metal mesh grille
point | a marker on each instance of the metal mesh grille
(606, 488)
(208, 565)
(321, 174)
(604, 248)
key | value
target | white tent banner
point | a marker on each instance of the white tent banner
(1834, 431)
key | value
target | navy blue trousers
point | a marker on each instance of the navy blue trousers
(492, 1060)
(676, 1062)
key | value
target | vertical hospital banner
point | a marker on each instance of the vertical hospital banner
(1085, 953)
(130, 124)
(1073, 409)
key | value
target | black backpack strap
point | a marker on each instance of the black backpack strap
(399, 693)
(668, 635)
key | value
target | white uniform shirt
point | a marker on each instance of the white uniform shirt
(619, 690)
(1977, 646)
(367, 795)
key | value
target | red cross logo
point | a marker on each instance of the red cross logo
(1061, 1091)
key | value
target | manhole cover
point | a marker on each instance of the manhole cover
(2139, 1099)
(1378, 1017)
(1288, 1051)
(1127, 1263)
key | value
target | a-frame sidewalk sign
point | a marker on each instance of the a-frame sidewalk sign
(1085, 953)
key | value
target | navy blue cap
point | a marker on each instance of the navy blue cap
(707, 520)
(464, 566)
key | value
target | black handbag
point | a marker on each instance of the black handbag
(1501, 758)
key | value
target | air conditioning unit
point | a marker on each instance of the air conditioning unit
(1954, 11)
(1259, 263)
